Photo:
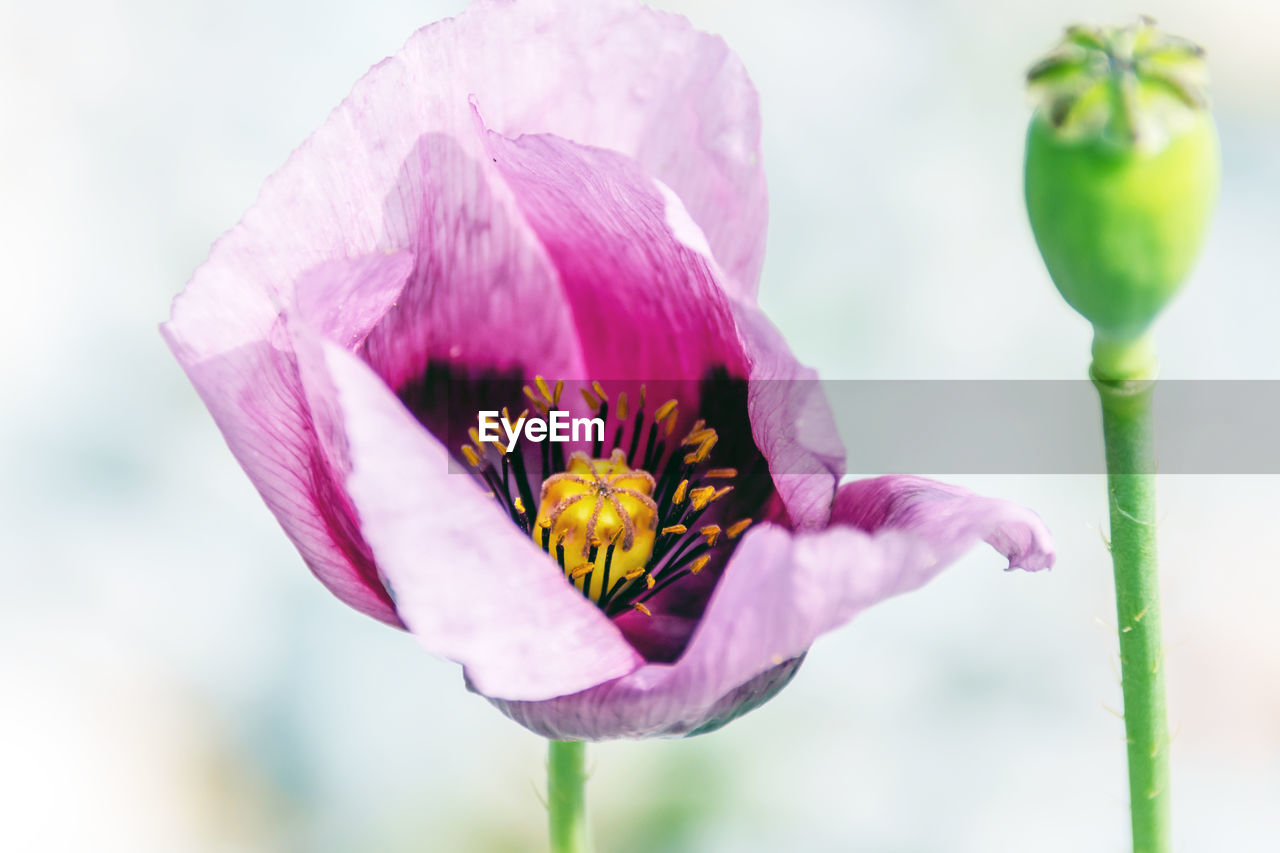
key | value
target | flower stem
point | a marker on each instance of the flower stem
(566, 801)
(1126, 426)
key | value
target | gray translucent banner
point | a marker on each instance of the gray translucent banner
(938, 427)
(1049, 427)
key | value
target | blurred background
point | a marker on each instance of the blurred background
(172, 678)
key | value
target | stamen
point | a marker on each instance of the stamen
(622, 405)
(700, 497)
(635, 431)
(704, 449)
(533, 398)
(651, 456)
(665, 409)
(593, 403)
(522, 480)
(721, 473)
(545, 390)
(699, 564)
(735, 530)
(678, 497)
(555, 398)
(599, 389)
(608, 564)
(712, 532)
(472, 457)
(697, 436)
(597, 447)
(557, 455)
(617, 437)
(642, 609)
(678, 529)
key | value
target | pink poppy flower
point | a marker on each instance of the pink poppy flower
(569, 190)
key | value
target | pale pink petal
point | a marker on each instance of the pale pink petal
(791, 421)
(949, 517)
(780, 592)
(616, 74)
(255, 393)
(470, 585)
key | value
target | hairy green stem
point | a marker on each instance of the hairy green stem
(566, 800)
(1126, 427)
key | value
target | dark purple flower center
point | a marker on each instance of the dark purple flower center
(623, 528)
(643, 514)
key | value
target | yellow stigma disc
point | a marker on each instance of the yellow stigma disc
(592, 505)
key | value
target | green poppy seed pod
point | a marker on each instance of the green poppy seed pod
(1122, 171)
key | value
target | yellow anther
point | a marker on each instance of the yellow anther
(699, 564)
(545, 390)
(475, 437)
(699, 498)
(642, 396)
(642, 609)
(735, 529)
(665, 409)
(721, 473)
(599, 389)
(697, 436)
(721, 492)
(671, 422)
(649, 581)
(595, 501)
(592, 402)
(533, 398)
(675, 528)
(473, 458)
(622, 405)
(703, 451)
(712, 532)
(519, 507)
(678, 497)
